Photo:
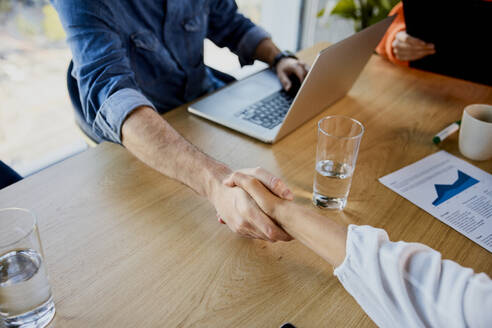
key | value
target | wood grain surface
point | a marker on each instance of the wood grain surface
(128, 247)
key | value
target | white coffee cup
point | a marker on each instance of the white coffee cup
(476, 132)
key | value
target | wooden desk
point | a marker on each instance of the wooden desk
(127, 247)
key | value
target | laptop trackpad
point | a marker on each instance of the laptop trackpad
(240, 94)
(248, 90)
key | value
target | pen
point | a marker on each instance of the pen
(449, 130)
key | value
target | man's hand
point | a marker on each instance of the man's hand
(408, 48)
(267, 201)
(266, 52)
(154, 141)
(324, 236)
(288, 66)
(239, 211)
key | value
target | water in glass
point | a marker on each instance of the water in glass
(332, 184)
(25, 292)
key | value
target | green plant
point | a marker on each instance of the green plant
(363, 12)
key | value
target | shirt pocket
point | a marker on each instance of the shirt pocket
(144, 40)
(195, 31)
(149, 58)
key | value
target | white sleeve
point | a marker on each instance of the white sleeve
(402, 284)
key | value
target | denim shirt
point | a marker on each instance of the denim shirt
(128, 54)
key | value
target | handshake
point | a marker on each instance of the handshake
(251, 202)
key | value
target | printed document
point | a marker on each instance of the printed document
(452, 190)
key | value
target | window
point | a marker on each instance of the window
(281, 18)
(329, 28)
(37, 127)
(36, 120)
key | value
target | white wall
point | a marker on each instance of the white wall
(282, 19)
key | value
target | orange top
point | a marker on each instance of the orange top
(385, 47)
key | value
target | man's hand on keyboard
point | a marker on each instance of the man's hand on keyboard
(288, 66)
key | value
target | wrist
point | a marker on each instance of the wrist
(271, 58)
(284, 212)
(281, 56)
(215, 174)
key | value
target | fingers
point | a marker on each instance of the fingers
(257, 201)
(266, 201)
(274, 184)
(417, 43)
(259, 226)
(411, 47)
(408, 48)
(290, 66)
(262, 197)
(405, 38)
(403, 53)
(243, 228)
(284, 80)
(252, 186)
(305, 67)
(247, 230)
(269, 228)
(411, 55)
(299, 71)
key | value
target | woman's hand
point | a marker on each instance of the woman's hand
(408, 48)
(237, 206)
(324, 236)
(263, 187)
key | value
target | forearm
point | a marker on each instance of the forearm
(152, 140)
(266, 51)
(321, 234)
(409, 282)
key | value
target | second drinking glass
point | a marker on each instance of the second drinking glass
(336, 154)
(25, 293)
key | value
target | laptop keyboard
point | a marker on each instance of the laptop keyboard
(268, 112)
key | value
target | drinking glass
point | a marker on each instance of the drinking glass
(25, 293)
(338, 145)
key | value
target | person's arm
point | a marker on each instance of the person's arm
(151, 139)
(399, 47)
(228, 28)
(325, 237)
(266, 52)
(398, 284)
(118, 111)
(105, 79)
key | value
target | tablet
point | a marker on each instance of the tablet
(461, 32)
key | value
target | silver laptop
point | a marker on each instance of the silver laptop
(258, 107)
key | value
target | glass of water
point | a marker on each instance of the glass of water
(338, 145)
(25, 293)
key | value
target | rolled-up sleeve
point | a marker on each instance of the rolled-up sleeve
(401, 284)
(114, 110)
(228, 28)
(106, 81)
